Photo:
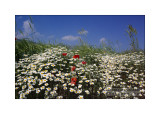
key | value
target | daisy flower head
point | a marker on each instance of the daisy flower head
(23, 87)
(72, 85)
(59, 97)
(65, 88)
(80, 86)
(44, 80)
(57, 79)
(87, 81)
(55, 88)
(79, 91)
(81, 81)
(53, 93)
(42, 88)
(66, 74)
(80, 97)
(108, 88)
(87, 92)
(48, 89)
(91, 83)
(46, 84)
(84, 78)
(104, 92)
(71, 90)
(37, 90)
(22, 96)
(65, 85)
(27, 91)
(100, 88)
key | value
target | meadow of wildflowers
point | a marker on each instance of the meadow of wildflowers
(60, 73)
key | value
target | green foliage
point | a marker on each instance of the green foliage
(28, 47)
(21, 32)
(132, 34)
(30, 26)
(108, 48)
(31, 19)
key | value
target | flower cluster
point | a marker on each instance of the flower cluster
(60, 73)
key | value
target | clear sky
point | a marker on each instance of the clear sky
(64, 28)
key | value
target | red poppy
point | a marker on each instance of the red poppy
(73, 68)
(73, 80)
(76, 56)
(84, 62)
(15, 38)
(64, 54)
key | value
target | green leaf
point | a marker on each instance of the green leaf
(21, 32)
(31, 19)
(30, 26)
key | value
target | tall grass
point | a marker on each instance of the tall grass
(27, 47)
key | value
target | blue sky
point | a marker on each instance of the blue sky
(64, 28)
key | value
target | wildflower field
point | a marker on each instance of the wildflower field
(62, 73)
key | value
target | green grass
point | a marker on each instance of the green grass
(27, 47)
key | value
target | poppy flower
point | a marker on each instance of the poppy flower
(73, 68)
(64, 54)
(84, 62)
(76, 56)
(73, 80)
